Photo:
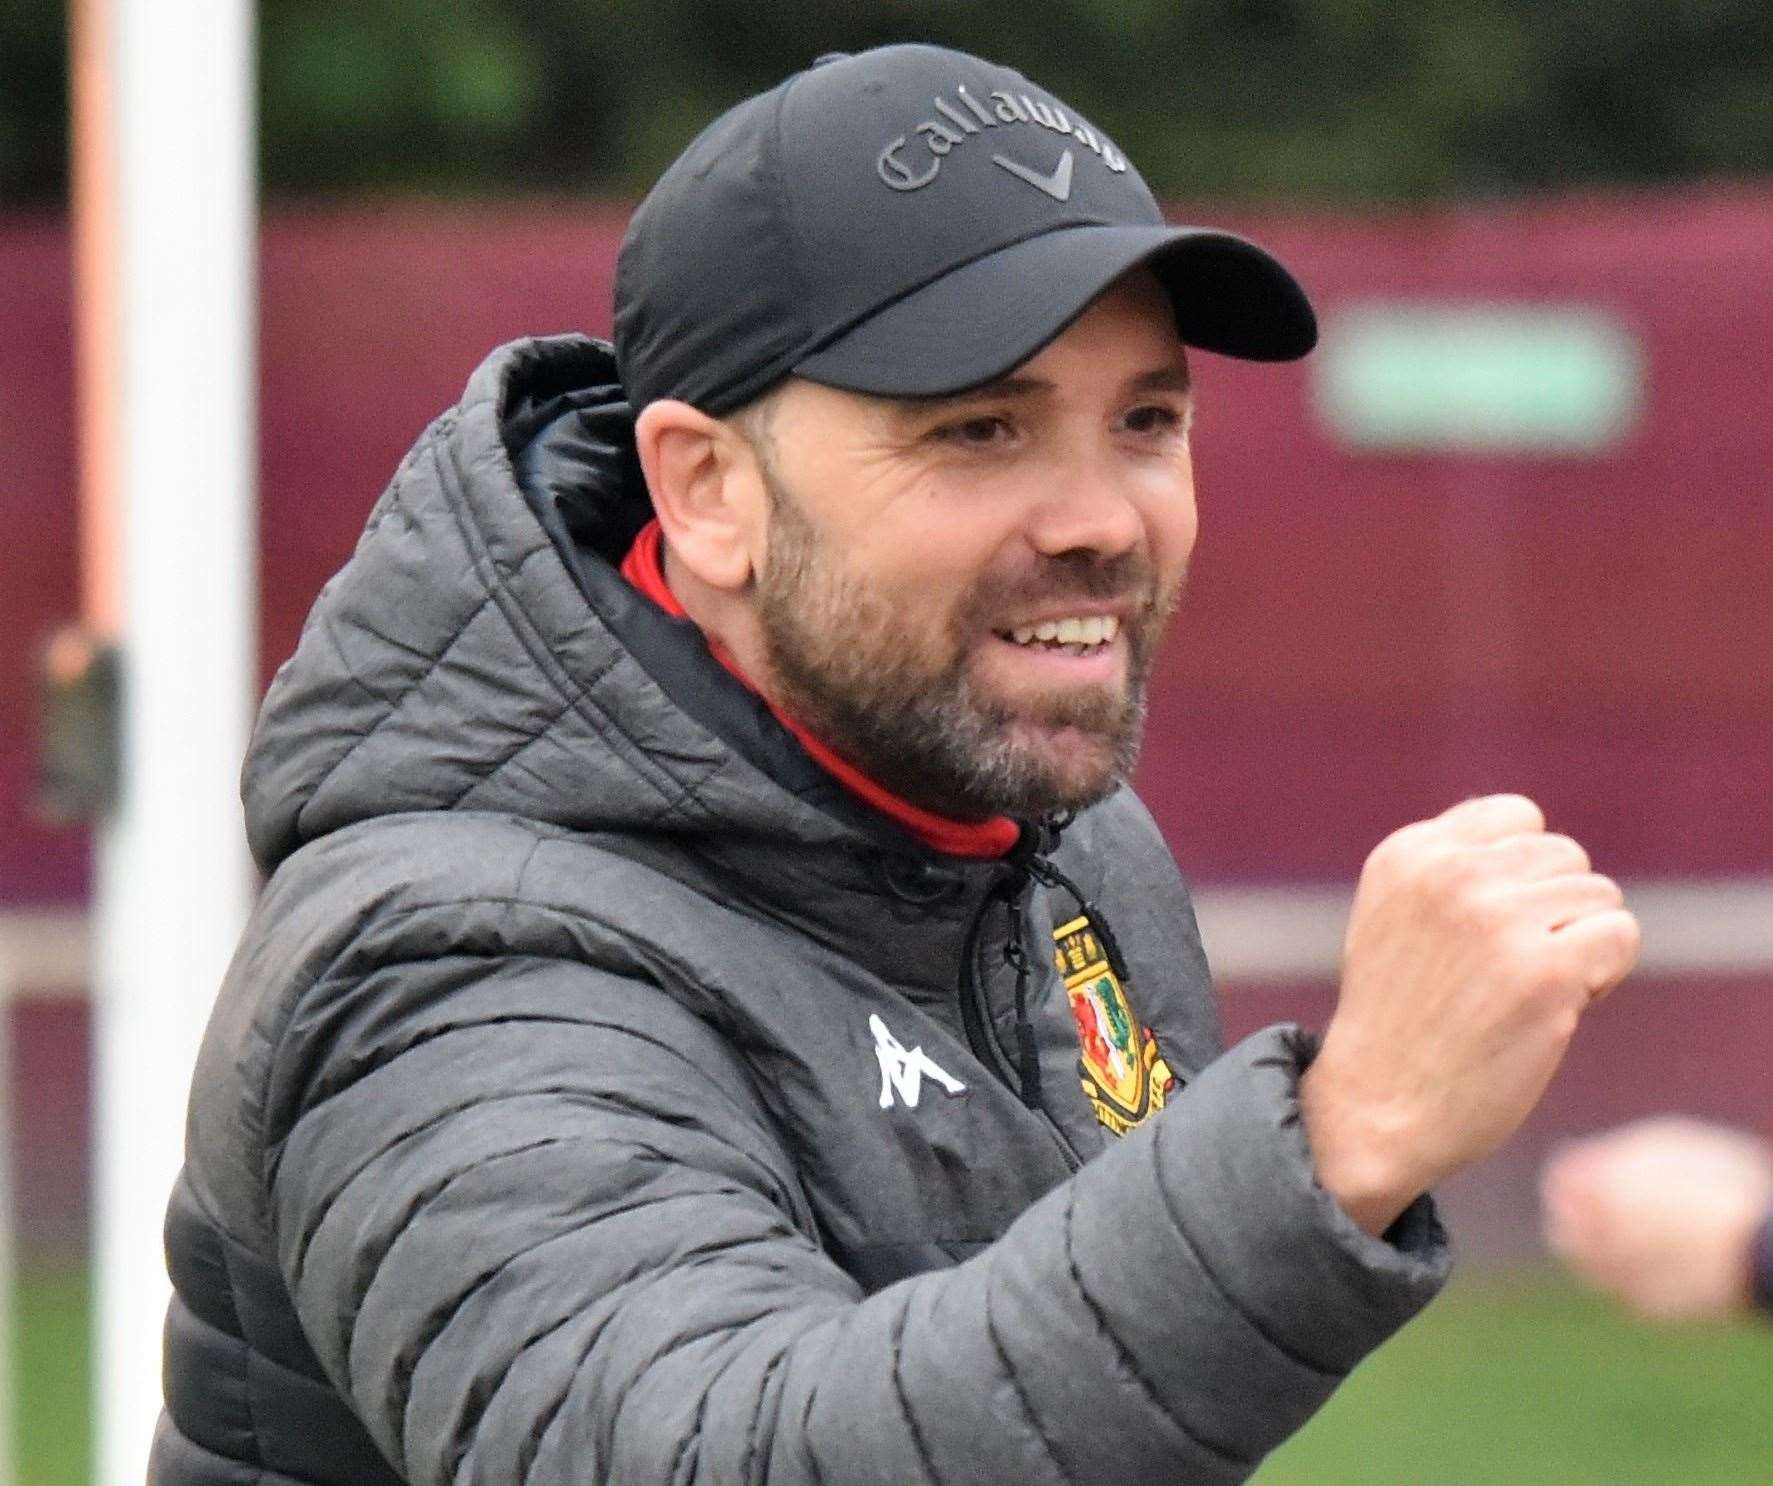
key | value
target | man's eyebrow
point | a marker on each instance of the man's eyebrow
(1175, 378)
(1010, 386)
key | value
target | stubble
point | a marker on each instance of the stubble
(899, 699)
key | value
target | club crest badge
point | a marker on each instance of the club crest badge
(1124, 1078)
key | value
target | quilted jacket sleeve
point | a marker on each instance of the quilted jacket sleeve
(540, 1232)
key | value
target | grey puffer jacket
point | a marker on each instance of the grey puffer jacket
(601, 1094)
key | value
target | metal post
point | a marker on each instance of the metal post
(171, 882)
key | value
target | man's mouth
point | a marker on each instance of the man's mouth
(1076, 635)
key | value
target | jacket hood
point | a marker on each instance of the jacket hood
(479, 651)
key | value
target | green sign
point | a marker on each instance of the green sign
(1478, 377)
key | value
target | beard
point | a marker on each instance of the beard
(901, 700)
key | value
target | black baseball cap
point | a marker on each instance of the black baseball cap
(909, 221)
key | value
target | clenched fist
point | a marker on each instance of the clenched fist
(1476, 941)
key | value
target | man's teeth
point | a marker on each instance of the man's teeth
(1096, 629)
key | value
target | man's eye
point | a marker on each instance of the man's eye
(975, 433)
(1154, 418)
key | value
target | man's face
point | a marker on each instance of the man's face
(962, 595)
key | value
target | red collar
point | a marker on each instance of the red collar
(987, 838)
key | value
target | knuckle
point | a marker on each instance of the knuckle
(1570, 849)
(1452, 870)
(1522, 809)
(1621, 930)
(1401, 845)
(1403, 860)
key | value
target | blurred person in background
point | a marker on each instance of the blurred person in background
(717, 1012)
(1672, 1216)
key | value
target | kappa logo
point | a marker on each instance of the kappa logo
(903, 1072)
(957, 122)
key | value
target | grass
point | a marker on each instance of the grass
(1508, 1378)
(1521, 1378)
(51, 1371)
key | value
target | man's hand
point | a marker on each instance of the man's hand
(1475, 944)
(1662, 1213)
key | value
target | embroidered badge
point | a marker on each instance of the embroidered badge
(903, 1072)
(1124, 1078)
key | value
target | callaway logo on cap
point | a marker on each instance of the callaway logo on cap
(909, 221)
(970, 117)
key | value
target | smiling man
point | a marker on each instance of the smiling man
(965, 592)
(717, 1013)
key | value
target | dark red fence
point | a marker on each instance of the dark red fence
(1369, 635)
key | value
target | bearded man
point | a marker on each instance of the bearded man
(717, 1013)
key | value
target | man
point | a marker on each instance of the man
(1672, 1216)
(716, 1013)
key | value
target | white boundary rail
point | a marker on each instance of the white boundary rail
(1693, 926)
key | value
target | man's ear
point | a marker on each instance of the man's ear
(706, 488)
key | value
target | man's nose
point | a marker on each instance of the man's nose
(1086, 509)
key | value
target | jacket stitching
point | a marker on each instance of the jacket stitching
(532, 1441)
(993, 1336)
(430, 1194)
(580, 690)
(547, 665)
(330, 622)
(1292, 1355)
(438, 1321)
(328, 1089)
(275, 1034)
(395, 503)
(1128, 1363)
(405, 694)
(918, 1442)
(806, 1434)
(549, 1417)
(247, 1350)
(547, 1421)
(748, 1462)
(323, 1209)
(726, 1331)
(484, 776)
(692, 1439)
(326, 627)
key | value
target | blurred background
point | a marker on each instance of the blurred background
(1507, 529)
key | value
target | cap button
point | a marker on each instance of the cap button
(826, 57)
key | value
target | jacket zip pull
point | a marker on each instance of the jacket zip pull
(1015, 953)
(1044, 872)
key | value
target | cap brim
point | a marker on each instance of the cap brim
(989, 316)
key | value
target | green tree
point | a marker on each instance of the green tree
(1312, 99)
